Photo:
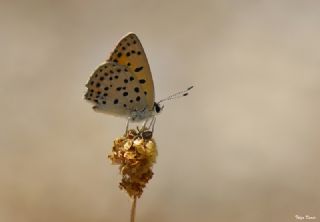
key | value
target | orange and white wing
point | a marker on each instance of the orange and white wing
(129, 52)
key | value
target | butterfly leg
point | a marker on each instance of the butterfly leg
(144, 125)
(127, 126)
(152, 123)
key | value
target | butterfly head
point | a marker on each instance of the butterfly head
(157, 107)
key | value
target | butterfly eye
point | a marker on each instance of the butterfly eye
(157, 107)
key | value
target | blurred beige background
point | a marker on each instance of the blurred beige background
(244, 146)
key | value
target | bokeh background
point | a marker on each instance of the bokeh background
(244, 146)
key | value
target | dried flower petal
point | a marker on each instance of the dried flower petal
(128, 145)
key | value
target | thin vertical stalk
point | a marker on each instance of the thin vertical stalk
(133, 209)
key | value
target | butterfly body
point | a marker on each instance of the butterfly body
(123, 85)
(134, 115)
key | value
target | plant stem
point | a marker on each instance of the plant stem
(133, 209)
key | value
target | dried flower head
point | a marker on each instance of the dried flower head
(136, 153)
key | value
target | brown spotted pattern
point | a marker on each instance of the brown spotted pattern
(130, 53)
(114, 89)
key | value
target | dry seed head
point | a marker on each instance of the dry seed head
(136, 155)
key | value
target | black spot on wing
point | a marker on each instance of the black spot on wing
(138, 69)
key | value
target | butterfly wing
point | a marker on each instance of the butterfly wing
(129, 52)
(114, 89)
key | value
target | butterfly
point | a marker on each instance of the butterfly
(123, 84)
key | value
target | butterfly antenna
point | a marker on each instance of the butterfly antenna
(177, 94)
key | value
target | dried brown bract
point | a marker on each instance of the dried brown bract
(136, 153)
